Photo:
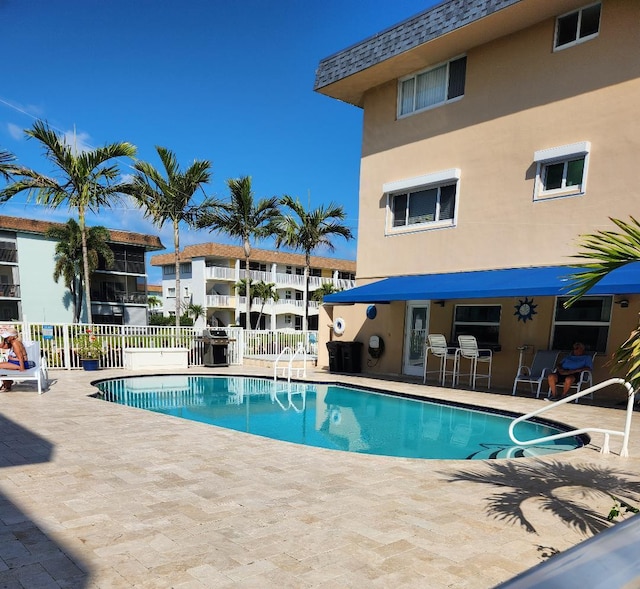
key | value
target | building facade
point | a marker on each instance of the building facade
(29, 292)
(210, 274)
(495, 135)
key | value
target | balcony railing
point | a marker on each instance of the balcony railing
(135, 298)
(220, 301)
(8, 254)
(11, 291)
(220, 273)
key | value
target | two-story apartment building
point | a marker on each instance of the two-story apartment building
(209, 274)
(28, 290)
(495, 134)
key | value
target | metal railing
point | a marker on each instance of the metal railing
(61, 343)
(624, 452)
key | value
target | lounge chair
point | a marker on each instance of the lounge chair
(543, 363)
(584, 380)
(38, 373)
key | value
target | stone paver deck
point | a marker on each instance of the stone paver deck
(98, 495)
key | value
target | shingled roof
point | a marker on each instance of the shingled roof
(35, 226)
(235, 252)
(414, 31)
(432, 36)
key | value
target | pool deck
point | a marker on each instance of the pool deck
(97, 495)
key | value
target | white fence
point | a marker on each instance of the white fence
(60, 341)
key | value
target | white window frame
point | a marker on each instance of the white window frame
(171, 292)
(607, 300)
(556, 155)
(578, 39)
(414, 76)
(406, 186)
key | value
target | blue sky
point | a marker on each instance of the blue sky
(227, 81)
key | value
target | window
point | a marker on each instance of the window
(432, 87)
(171, 292)
(586, 321)
(561, 171)
(168, 270)
(481, 321)
(185, 268)
(422, 203)
(578, 26)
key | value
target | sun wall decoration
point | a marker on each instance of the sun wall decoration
(525, 310)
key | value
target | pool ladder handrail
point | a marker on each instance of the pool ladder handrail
(624, 452)
(288, 370)
(291, 405)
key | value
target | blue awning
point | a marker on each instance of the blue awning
(485, 284)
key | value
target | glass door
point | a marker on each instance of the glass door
(416, 328)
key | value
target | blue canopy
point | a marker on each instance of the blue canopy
(484, 284)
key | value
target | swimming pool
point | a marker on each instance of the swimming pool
(334, 417)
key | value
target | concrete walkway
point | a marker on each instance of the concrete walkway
(98, 495)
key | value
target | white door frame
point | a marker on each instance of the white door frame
(416, 328)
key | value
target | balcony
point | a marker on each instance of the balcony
(10, 291)
(220, 273)
(220, 301)
(8, 255)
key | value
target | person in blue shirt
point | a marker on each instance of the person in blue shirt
(568, 370)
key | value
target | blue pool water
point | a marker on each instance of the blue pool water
(334, 417)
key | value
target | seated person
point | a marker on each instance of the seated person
(16, 355)
(568, 370)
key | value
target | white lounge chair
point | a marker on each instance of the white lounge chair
(543, 363)
(38, 373)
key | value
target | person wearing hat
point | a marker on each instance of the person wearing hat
(16, 356)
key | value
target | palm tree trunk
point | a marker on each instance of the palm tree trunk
(176, 248)
(247, 276)
(85, 263)
(307, 271)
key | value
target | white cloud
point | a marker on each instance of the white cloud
(79, 142)
(15, 131)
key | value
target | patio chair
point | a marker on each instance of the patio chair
(584, 380)
(438, 347)
(468, 350)
(543, 363)
(38, 373)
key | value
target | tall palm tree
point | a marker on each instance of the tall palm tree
(68, 258)
(606, 252)
(169, 197)
(86, 181)
(309, 230)
(242, 218)
(195, 311)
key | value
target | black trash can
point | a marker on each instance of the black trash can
(351, 357)
(335, 356)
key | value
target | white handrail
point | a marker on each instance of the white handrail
(624, 452)
(275, 364)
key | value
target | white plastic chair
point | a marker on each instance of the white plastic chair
(468, 349)
(38, 373)
(543, 363)
(437, 346)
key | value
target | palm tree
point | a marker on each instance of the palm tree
(608, 251)
(307, 231)
(169, 198)
(326, 289)
(6, 164)
(265, 291)
(153, 302)
(242, 218)
(68, 258)
(87, 181)
(195, 311)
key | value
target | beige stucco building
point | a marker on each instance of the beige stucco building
(495, 134)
